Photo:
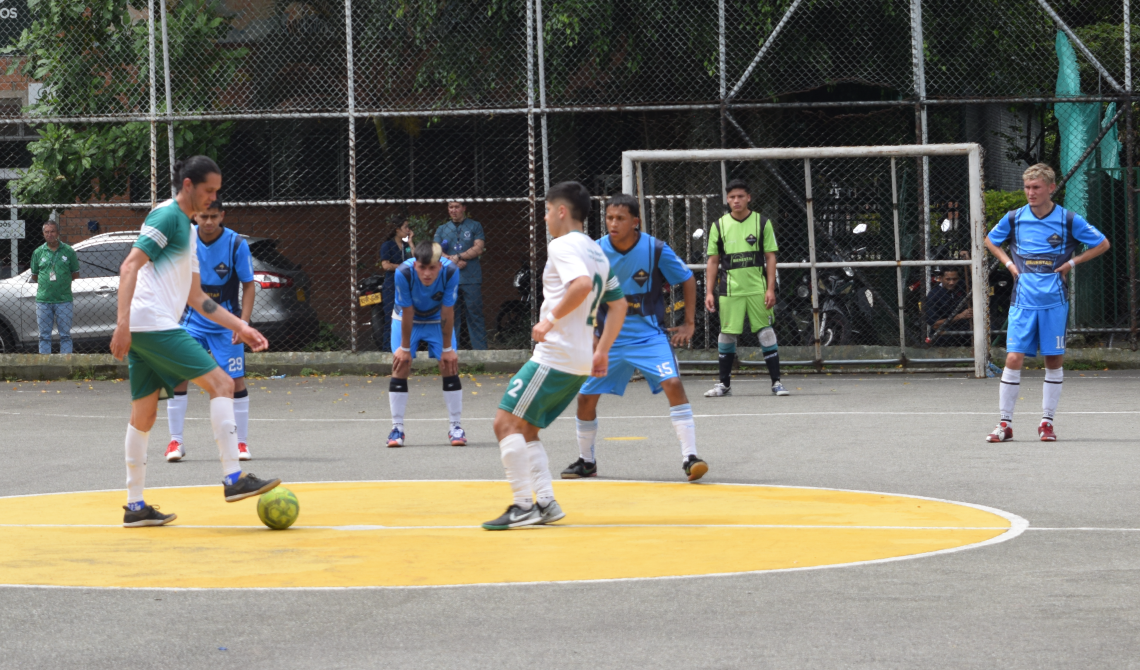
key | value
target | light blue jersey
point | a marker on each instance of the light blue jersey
(643, 271)
(223, 266)
(425, 301)
(1038, 247)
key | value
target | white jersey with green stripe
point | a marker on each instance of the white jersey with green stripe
(569, 346)
(164, 282)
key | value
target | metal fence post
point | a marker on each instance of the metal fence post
(169, 101)
(811, 260)
(1129, 180)
(531, 188)
(978, 265)
(898, 257)
(918, 58)
(352, 249)
(153, 115)
(541, 38)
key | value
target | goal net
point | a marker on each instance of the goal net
(881, 259)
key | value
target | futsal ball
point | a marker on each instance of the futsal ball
(279, 508)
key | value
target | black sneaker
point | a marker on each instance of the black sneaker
(695, 468)
(147, 516)
(514, 517)
(579, 469)
(248, 486)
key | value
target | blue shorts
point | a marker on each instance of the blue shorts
(1033, 329)
(654, 359)
(229, 356)
(431, 333)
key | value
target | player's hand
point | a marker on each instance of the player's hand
(121, 342)
(601, 363)
(967, 313)
(461, 263)
(1064, 270)
(682, 334)
(710, 302)
(234, 336)
(770, 297)
(538, 333)
(401, 359)
(449, 363)
(250, 335)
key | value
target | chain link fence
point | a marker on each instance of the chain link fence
(338, 122)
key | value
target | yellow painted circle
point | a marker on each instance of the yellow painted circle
(427, 533)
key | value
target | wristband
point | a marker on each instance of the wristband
(447, 350)
(1008, 264)
(1072, 263)
(552, 319)
(403, 348)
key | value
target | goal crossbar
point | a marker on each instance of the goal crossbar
(631, 184)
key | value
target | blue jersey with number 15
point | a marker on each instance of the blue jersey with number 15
(643, 271)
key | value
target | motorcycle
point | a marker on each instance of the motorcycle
(369, 292)
(512, 324)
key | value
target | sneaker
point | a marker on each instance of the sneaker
(695, 468)
(579, 469)
(778, 389)
(396, 437)
(147, 516)
(248, 486)
(1045, 432)
(718, 391)
(514, 517)
(456, 435)
(551, 513)
(1003, 433)
(174, 451)
(243, 452)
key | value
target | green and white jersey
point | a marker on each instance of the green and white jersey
(164, 283)
(569, 346)
(743, 253)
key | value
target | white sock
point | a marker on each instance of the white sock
(513, 450)
(1051, 393)
(1007, 396)
(454, 400)
(587, 434)
(136, 463)
(398, 401)
(682, 417)
(540, 472)
(176, 415)
(241, 417)
(225, 433)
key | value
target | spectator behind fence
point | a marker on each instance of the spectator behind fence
(948, 307)
(54, 267)
(397, 248)
(463, 243)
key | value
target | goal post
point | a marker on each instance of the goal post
(856, 184)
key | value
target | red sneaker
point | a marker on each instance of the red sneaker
(1003, 433)
(243, 452)
(174, 451)
(1045, 432)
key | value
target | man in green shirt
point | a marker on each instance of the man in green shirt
(54, 267)
(742, 272)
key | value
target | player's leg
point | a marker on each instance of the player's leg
(586, 422)
(1051, 324)
(230, 358)
(658, 364)
(176, 422)
(732, 312)
(145, 386)
(760, 315)
(1021, 340)
(398, 384)
(241, 417)
(452, 385)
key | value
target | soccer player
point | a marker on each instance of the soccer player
(742, 250)
(575, 281)
(224, 264)
(158, 278)
(643, 264)
(1043, 238)
(427, 287)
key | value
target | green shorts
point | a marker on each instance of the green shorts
(734, 308)
(162, 359)
(537, 394)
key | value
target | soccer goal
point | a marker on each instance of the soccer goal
(880, 248)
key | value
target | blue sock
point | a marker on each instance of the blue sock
(136, 506)
(232, 477)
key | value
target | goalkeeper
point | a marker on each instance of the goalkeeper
(742, 271)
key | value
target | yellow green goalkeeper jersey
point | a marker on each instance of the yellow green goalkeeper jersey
(741, 246)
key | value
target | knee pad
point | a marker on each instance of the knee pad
(452, 383)
(726, 343)
(767, 339)
(398, 385)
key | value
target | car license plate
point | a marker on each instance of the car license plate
(300, 295)
(371, 299)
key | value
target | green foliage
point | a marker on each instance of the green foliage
(999, 203)
(93, 60)
(326, 340)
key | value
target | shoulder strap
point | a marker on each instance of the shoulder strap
(719, 240)
(1013, 227)
(1069, 216)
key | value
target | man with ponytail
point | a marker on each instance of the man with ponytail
(157, 280)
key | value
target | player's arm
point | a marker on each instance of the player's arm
(710, 282)
(770, 271)
(128, 279)
(999, 254)
(205, 305)
(576, 293)
(449, 359)
(1087, 256)
(615, 317)
(683, 333)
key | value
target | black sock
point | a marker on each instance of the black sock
(725, 361)
(772, 360)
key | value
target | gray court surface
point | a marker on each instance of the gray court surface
(1063, 594)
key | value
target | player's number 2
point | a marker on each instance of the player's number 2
(598, 290)
(516, 386)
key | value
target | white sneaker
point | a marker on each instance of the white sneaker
(243, 452)
(174, 451)
(718, 391)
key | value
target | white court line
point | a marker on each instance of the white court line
(577, 526)
(1087, 528)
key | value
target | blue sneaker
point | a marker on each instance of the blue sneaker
(396, 437)
(778, 389)
(457, 436)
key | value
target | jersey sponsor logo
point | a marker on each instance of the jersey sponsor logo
(751, 239)
(1039, 265)
(222, 269)
(1054, 240)
(641, 276)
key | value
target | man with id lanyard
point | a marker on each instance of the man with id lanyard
(54, 267)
